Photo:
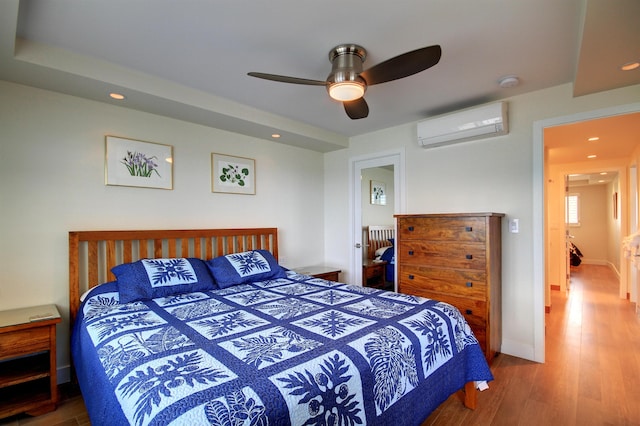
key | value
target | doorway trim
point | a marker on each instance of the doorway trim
(396, 158)
(538, 211)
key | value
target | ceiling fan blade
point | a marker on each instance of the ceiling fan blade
(356, 109)
(286, 79)
(403, 65)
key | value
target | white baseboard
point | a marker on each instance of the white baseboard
(594, 261)
(602, 263)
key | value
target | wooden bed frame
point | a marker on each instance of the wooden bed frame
(377, 237)
(92, 254)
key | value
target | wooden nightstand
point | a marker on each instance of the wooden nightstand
(373, 274)
(28, 382)
(328, 273)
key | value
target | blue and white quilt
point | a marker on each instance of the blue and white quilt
(290, 351)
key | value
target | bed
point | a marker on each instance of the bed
(381, 246)
(270, 347)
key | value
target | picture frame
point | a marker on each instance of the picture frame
(378, 193)
(233, 175)
(130, 162)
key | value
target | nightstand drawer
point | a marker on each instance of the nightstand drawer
(23, 342)
(28, 375)
(374, 270)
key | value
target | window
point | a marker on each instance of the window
(572, 209)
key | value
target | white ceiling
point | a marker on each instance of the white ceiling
(189, 59)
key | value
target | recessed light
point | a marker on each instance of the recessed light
(275, 135)
(591, 156)
(603, 173)
(117, 96)
(595, 138)
(630, 66)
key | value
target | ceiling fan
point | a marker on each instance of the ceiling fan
(347, 82)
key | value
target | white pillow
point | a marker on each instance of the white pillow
(381, 250)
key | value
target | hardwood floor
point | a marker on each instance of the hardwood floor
(591, 375)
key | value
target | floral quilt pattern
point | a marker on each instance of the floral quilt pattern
(292, 351)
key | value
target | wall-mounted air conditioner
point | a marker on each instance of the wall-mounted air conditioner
(474, 123)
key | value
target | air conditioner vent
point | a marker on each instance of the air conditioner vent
(474, 123)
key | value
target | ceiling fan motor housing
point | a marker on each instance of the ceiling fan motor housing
(346, 65)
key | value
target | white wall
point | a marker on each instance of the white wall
(493, 175)
(592, 235)
(52, 181)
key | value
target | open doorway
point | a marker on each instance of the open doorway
(593, 218)
(591, 159)
(541, 193)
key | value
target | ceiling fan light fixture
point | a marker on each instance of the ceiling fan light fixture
(345, 91)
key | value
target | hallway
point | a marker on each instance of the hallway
(592, 371)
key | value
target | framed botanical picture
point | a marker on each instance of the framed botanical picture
(378, 193)
(130, 162)
(234, 175)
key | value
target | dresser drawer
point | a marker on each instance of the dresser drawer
(481, 335)
(474, 311)
(450, 255)
(443, 229)
(22, 342)
(470, 284)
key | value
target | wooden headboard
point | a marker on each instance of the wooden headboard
(92, 254)
(378, 236)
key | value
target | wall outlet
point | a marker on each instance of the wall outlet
(514, 226)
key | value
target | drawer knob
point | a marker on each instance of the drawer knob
(469, 284)
(468, 312)
(410, 252)
(410, 228)
(469, 256)
(411, 277)
(468, 228)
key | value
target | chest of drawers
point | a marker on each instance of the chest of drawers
(456, 258)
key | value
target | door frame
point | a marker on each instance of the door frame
(539, 212)
(395, 158)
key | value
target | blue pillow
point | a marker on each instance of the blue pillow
(246, 267)
(151, 278)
